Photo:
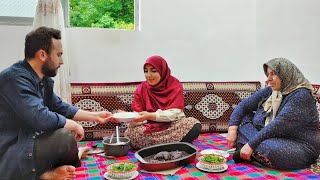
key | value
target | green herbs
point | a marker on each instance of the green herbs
(211, 158)
(121, 167)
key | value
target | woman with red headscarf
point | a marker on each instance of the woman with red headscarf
(159, 101)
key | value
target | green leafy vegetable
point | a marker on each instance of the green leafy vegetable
(121, 167)
(211, 158)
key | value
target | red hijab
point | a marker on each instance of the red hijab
(167, 94)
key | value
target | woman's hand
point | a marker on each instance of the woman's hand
(232, 135)
(118, 111)
(246, 152)
(144, 115)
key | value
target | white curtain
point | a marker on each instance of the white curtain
(49, 13)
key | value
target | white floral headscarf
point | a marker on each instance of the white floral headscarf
(291, 79)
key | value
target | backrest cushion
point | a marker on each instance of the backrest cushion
(210, 102)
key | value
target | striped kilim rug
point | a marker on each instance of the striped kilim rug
(93, 167)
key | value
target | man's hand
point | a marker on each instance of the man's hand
(246, 152)
(104, 116)
(99, 117)
(232, 135)
(73, 126)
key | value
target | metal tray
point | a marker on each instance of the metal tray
(151, 150)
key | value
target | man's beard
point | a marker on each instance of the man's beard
(48, 70)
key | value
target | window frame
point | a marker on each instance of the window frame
(16, 21)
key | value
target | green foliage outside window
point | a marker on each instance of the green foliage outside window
(116, 14)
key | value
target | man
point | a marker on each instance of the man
(36, 138)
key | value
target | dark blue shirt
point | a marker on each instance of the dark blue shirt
(297, 118)
(28, 106)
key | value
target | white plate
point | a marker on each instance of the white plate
(215, 151)
(125, 116)
(225, 167)
(106, 175)
(96, 151)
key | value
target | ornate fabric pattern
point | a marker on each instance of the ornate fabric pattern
(103, 96)
(212, 106)
(210, 102)
(213, 102)
(89, 105)
(316, 92)
(177, 130)
(316, 88)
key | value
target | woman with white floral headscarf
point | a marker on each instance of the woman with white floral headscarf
(278, 125)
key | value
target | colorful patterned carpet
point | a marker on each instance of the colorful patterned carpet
(93, 167)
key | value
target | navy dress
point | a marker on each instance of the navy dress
(291, 140)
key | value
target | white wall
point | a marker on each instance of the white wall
(203, 40)
(290, 28)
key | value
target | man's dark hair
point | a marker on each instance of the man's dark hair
(40, 39)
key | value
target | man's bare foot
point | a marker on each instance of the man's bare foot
(60, 173)
(83, 151)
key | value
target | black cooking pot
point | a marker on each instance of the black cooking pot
(114, 149)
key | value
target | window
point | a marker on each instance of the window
(116, 14)
(17, 12)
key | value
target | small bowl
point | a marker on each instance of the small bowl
(116, 150)
(125, 116)
(212, 165)
(121, 174)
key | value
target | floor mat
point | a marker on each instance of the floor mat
(94, 166)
